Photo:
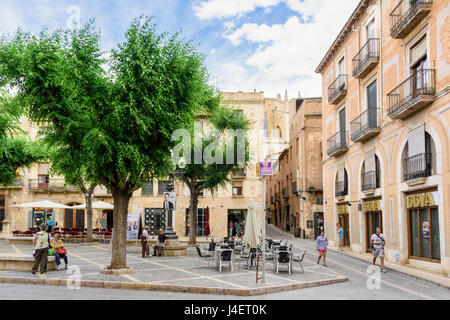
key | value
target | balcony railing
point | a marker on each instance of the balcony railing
(341, 188)
(52, 185)
(403, 20)
(412, 94)
(337, 144)
(369, 181)
(338, 89)
(417, 166)
(365, 126)
(366, 58)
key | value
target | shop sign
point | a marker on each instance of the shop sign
(372, 206)
(421, 200)
(343, 209)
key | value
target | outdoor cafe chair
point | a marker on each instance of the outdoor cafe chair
(299, 258)
(205, 256)
(282, 256)
(249, 257)
(225, 256)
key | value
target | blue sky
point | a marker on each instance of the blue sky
(267, 45)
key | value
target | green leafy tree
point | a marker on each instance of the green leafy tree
(124, 107)
(222, 147)
(16, 148)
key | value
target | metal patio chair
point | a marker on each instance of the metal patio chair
(205, 256)
(282, 256)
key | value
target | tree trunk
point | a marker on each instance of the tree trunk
(193, 204)
(119, 239)
(89, 233)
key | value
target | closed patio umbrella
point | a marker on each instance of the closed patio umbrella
(253, 235)
(207, 230)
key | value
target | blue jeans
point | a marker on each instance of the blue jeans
(58, 258)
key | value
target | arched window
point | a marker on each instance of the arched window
(370, 174)
(419, 155)
(341, 187)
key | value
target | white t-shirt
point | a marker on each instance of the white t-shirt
(378, 238)
(144, 235)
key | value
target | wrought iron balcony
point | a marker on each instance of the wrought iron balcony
(403, 20)
(414, 93)
(338, 89)
(15, 185)
(365, 126)
(341, 188)
(51, 185)
(417, 166)
(337, 144)
(369, 181)
(367, 58)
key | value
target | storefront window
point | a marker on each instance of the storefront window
(424, 229)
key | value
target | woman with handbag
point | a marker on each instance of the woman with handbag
(60, 252)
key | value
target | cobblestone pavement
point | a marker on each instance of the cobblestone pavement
(393, 285)
(185, 272)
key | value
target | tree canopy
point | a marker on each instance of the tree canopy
(16, 148)
(114, 111)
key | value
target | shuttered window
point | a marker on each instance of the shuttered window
(416, 141)
(418, 52)
(372, 95)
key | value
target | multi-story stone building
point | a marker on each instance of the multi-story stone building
(269, 134)
(294, 192)
(386, 117)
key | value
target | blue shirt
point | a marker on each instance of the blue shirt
(341, 233)
(321, 243)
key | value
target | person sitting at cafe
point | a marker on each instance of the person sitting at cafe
(60, 252)
(162, 240)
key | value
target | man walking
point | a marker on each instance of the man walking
(162, 239)
(378, 243)
(41, 243)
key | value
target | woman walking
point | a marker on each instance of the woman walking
(321, 245)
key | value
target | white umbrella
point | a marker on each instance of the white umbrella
(45, 204)
(96, 205)
(253, 234)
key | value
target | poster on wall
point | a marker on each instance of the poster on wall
(133, 226)
(170, 201)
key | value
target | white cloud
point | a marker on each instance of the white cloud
(288, 53)
(212, 9)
